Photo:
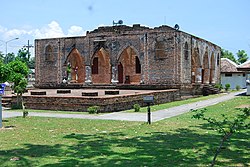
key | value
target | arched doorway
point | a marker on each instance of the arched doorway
(196, 70)
(205, 69)
(75, 67)
(129, 67)
(101, 68)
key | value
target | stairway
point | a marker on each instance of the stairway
(209, 89)
(6, 101)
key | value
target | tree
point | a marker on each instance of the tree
(9, 58)
(1, 57)
(18, 75)
(32, 63)
(227, 127)
(23, 55)
(4, 72)
(242, 56)
(229, 55)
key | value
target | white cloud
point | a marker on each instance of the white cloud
(2, 29)
(75, 31)
(25, 33)
(51, 30)
(16, 32)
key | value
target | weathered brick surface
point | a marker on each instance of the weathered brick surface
(167, 57)
(107, 104)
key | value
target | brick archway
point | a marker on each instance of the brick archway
(196, 66)
(77, 67)
(205, 69)
(101, 68)
(131, 73)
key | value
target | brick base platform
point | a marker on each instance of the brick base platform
(108, 103)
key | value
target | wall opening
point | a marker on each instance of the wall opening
(49, 53)
(101, 68)
(131, 67)
(75, 67)
(94, 67)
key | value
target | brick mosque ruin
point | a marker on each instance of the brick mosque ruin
(136, 55)
(121, 57)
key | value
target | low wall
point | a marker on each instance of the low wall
(106, 103)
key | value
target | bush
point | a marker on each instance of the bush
(237, 87)
(219, 86)
(93, 109)
(137, 107)
(227, 86)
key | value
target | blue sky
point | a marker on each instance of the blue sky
(223, 22)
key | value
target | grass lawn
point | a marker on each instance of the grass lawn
(177, 141)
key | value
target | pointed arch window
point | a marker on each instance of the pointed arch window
(95, 66)
(49, 53)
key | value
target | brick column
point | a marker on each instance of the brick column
(212, 76)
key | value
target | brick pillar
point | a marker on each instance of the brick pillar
(212, 76)
(114, 78)
(88, 78)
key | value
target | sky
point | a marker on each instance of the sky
(222, 22)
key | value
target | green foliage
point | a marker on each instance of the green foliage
(227, 86)
(1, 57)
(227, 54)
(93, 109)
(137, 107)
(226, 127)
(23, 55)
(237, 87)
(32, 63)
(19, 67)
(218, 86)
(4, 72)
(9, 58)
(242, 56)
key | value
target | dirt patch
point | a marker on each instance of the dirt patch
(243, 106)
(7, 128)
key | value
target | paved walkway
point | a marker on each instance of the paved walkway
(156, 116)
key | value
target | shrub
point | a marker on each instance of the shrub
(93, 109)
(237, 87)
(227, 86)
(137, 107)
(219, 86)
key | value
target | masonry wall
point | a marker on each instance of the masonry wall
(162, 52)
(107, 104)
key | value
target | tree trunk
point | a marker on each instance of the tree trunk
(224, 139)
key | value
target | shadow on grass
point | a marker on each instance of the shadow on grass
(178, 148)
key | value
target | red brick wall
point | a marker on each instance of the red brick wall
(107, 104)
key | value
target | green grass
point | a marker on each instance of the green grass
(178, 141)
(176, 103)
